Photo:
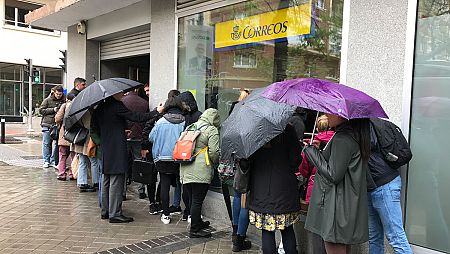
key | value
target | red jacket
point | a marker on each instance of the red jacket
(307, 169)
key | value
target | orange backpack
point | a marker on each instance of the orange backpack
(185, 145)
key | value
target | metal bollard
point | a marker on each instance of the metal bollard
(3, 138)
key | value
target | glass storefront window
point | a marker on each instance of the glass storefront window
(427, 203)
(252, 44)
(53, 76)
(10, 71)
(9, 98)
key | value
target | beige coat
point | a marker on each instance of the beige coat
(59, 117)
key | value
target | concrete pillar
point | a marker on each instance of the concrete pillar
(82, 57)
(376, 51)
(2, 10)
(163, 46)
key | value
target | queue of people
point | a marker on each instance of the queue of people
(335, 164)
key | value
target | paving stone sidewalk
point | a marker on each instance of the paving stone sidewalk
(39, 214)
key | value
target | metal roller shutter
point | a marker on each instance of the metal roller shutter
(181, 4)
(125, 46)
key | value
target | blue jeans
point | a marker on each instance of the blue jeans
(47, 151)
(240, 215)
(83, 169)
(385, 217)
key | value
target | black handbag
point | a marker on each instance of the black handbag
(143, 171)
(76, 135)
(54, 132)
(241, 178)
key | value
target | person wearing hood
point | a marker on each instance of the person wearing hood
(163, 137)
(297, 120)
(197, 176)
(192, 113)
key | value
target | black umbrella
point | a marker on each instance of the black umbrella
(95, 93)
(253, 122)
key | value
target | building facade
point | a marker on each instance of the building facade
(20, 41)
(396, 51)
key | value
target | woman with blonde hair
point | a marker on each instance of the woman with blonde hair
(338, 205)
(242, 95)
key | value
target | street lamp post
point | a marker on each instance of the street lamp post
(30, 95)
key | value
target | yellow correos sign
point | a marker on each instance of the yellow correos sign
(292, 21)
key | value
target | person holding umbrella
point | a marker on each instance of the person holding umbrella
(273, 197)
(338, 205)
(110, 119)
(272, 154)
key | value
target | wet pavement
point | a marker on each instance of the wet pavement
(39, 214)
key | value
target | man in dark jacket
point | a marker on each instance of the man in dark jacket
(48, 110)
(385, 213)
(78, 85)
(137, 104)
(110, 119)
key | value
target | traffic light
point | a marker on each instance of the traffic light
(27, 69)
(36, 75)
(63, 59)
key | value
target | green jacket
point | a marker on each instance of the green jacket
(338, 206)
(198, 171)
(47, 110)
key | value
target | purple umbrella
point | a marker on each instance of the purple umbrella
(325, 96)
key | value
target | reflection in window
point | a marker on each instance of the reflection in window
(320, 4)
(427, 202)
(244, 60)
(215, 75)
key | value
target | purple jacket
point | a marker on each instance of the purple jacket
(135, 103)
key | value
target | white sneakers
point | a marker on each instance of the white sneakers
(165, 219)
(46, 165)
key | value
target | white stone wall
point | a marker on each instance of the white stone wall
(82, 57)
(163, 45)
(376, 51)
(122, 20)
(18, 43)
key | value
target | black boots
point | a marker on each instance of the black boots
(233, 236)
(240, 244)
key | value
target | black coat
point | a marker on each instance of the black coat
(273, 184)
(111, 120)
(194, 114)
(297, 120)
(380, 172)
(74, 91)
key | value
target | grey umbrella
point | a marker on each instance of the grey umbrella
(94, 94)
(253, 122)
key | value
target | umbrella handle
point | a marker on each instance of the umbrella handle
(314, 130)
